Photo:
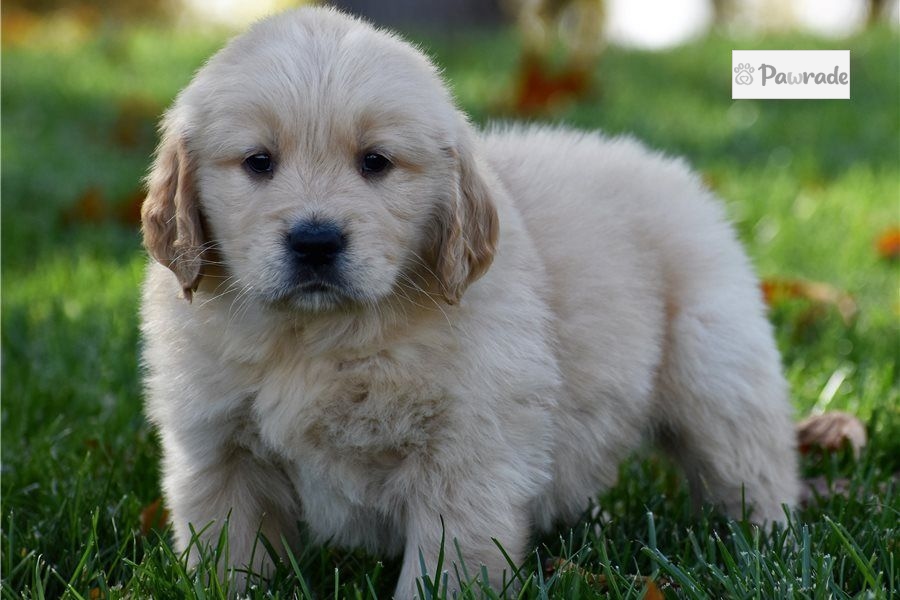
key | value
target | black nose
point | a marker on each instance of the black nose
(316, 244)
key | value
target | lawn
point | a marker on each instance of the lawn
(811, 185)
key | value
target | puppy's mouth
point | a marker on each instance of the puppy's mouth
(311, 295)
(317, 287)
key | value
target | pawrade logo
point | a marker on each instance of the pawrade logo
(790, 74)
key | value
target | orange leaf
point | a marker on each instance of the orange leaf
(154, 516)
(888, 244)
(88, 208)
(600, 583)
(91, 207)
(777, 290)
(651, 592)
(540, 90)
(135, 121)
(129, 212)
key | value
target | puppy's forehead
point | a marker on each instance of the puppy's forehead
(316, 67)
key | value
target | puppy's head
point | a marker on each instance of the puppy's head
(321, 162)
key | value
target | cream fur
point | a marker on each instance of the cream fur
(523, 307)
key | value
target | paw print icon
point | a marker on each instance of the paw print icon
(743, 74)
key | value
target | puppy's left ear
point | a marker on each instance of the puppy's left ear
(468, 237)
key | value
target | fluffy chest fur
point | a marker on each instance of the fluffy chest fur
(350, 432)
(372, 410)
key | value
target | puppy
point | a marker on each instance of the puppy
(364, 315)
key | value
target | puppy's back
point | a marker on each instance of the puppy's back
(614, 220)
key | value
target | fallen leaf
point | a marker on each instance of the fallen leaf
(91, 207)
(552, 565)
(562, 41)
(154, 516)
(651, 591)
(600, 582)
(888, 244)
(831, 431)
(776, 290)
(88, 208)
(129, 209)
(135, 121)
(540, 90)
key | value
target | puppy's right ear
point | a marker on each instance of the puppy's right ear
(170, 215)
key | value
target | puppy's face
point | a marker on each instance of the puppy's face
(321, 163)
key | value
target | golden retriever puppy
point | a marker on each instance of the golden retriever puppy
(366, 315)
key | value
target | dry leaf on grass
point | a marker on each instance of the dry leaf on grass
(652, 591)
(129, 209)
(135, 122)
(776, 290)
(154, 516)
(830, 432)
(540, 90)
(91, 207)
(888, 244)
(88, 208)
(562, 42)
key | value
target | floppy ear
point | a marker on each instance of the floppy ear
(170, 216)
(468, 236)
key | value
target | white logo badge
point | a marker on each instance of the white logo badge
(790, 74)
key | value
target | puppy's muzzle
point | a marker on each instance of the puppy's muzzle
(316, 245)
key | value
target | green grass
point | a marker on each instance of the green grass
(810, 185)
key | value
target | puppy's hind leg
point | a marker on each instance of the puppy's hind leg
(724, 406)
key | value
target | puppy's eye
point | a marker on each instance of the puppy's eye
(259, 163)
(373, 163)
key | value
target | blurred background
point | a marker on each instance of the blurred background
(640, 23)
(812, 186)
